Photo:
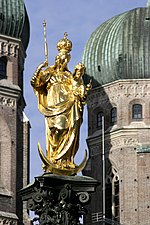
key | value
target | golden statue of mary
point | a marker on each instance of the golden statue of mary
(61, 96)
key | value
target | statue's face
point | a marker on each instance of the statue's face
(79, 70)
(64, 57)
(58, 60)
(77, 74)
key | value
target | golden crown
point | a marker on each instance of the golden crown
(64, 45)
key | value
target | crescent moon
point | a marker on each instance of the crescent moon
(53, 168)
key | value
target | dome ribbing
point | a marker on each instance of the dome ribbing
(119, 48)
(14, 20)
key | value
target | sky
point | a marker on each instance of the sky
(79, 18)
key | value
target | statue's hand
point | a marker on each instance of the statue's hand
(45, 64)
(42, 65)
(89, 86)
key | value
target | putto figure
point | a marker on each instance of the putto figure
(61, 97)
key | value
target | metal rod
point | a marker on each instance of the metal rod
(45, 41)
(103, 162)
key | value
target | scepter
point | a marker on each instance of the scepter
(45, 42)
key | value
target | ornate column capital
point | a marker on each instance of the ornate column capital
(59, 199)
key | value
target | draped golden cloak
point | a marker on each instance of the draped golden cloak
(60, 100)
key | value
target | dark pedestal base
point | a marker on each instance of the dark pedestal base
(58, 200)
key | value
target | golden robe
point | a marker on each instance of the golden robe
(60, 100)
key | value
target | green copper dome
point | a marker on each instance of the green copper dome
(119, 48)
(14, 20)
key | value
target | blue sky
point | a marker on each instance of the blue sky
(79, 19)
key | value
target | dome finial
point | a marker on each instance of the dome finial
(148, 3)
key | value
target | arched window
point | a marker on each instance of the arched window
(137, 111)
(3, 64)
(99, 120)
(114, 115)
(112, 195)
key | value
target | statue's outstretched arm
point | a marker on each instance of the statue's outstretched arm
(36, 79)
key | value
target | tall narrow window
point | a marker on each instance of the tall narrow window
(116, 201)
(137, 111)
(112, 196)
(114, 115)
(99, 120)
(108, 198)
(3, 63)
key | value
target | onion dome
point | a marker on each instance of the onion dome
(14, 20)
(119, 48)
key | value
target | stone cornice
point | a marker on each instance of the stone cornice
(5, 192)
(11, 46)
(119, 139)
(113, 134)
(112, 92)
(9, 89)
(9, 94)
(8, 218)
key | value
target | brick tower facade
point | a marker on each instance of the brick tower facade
(117, 59)
(14, 126)
(127, 151)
